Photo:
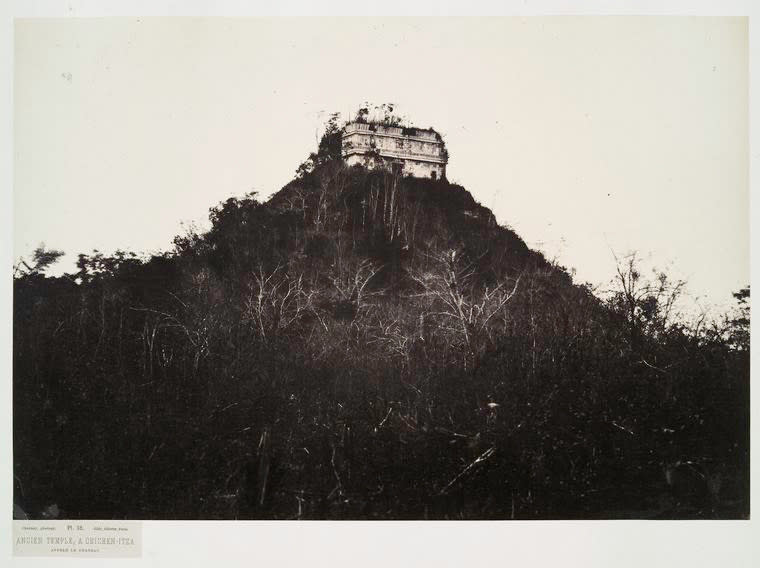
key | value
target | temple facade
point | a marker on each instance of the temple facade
(406, 151)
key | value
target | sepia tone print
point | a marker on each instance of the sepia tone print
(371, 342)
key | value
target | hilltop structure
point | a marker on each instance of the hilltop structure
(407, 151)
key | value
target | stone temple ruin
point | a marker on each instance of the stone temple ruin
(406, 151)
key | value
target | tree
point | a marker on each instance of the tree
(361, 115)
(465, 309)
(41, 260)
(738, 330)
(276, 301)
(646, 304)
(330, 145)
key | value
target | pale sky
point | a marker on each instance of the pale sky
(584, 134)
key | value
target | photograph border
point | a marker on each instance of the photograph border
(370, 543)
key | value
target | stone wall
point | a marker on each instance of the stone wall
(413, 151)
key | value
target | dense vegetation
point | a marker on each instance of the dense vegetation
(369, 346)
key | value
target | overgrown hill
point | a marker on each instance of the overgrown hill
(393, 218)
(364, 345)
(392, 221)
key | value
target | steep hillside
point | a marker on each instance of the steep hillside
(364, 345)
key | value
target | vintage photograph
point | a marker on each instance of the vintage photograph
(381, 268)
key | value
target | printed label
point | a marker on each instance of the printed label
(97, 539)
